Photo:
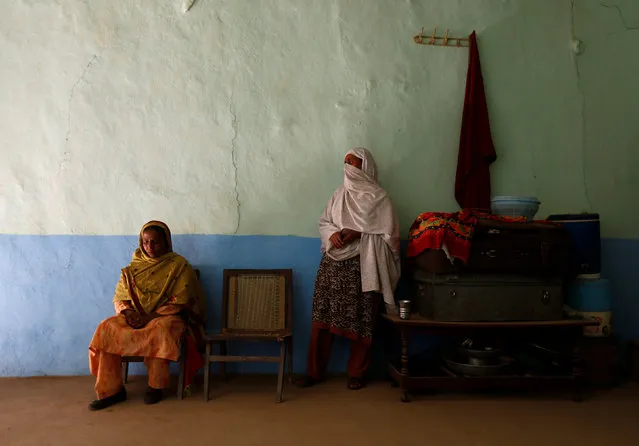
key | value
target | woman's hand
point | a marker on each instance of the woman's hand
(349, 236)
(132, 318)
(336, 240)
(136, 320)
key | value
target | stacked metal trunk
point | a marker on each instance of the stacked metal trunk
(515, 272)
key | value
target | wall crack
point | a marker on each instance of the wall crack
(66, 154)
(234, 126)
(621, 17)
(582, 95)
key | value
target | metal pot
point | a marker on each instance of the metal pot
(502, 368)
(486, 356)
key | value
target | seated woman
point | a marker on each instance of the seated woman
(157, 298)
(360, 264)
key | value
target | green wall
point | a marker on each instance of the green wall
(347, 73)
(234, 117)
(608, 82)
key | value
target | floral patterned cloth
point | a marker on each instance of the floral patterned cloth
(450, 231)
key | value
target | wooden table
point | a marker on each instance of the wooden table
(565, 329)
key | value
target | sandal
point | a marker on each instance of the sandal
(355, 383)
(103, 403)
(306, 381)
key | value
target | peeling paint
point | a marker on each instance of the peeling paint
(187, 5)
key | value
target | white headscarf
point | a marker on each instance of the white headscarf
(362, 205)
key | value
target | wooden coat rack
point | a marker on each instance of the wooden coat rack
(434, 39)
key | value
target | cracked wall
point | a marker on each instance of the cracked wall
(233, 118)
(607, 72)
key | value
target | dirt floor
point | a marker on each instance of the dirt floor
(53, 411)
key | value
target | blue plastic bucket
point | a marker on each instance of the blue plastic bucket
(590, 295)
(585, 233)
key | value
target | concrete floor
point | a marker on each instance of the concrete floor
(52, 411)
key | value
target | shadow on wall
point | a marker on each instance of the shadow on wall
(255, 252)
(303, 257)
(213, 254)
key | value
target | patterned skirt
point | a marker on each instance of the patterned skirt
(339, 304)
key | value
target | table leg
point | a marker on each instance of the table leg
(578, 383)
(577, 369)
(404, 366)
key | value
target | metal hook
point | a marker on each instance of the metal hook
(433, 37)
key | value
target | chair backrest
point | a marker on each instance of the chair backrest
(257, 301)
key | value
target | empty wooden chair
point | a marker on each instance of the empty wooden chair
(256, 306)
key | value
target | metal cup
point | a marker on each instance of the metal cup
(404, 309)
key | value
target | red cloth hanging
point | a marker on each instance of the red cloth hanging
(476, 149)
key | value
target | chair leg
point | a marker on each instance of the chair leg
(290, 359)
(280, 375)
(180, 390)
(125, 372)
(207, 370)
(223, 352)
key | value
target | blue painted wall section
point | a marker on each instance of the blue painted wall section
(56, 289)
(620, 264)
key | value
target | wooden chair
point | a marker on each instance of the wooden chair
(125, 360)
(256, 306)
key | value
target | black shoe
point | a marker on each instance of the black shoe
(152, 396)
(108, 401)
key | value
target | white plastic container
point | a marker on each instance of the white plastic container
(604, 318)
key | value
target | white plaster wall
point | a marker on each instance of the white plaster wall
(234, 117)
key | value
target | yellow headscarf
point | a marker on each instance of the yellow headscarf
(168, 279)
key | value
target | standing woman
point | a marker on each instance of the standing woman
(360, 266)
